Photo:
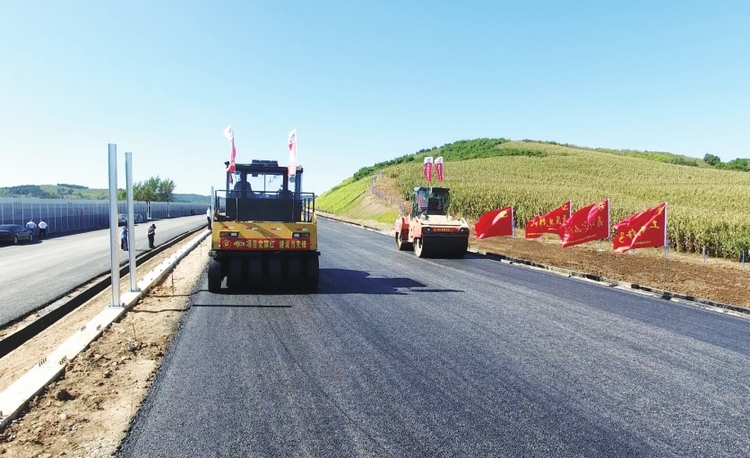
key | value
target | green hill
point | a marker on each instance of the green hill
(707, 201)
(72, 191)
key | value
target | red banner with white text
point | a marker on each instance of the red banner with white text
(439, 168)
(642, 230)
(587, 224)
(427, 170)
(549, 223)
(229, 133)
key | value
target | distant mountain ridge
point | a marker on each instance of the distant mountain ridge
(72, 191)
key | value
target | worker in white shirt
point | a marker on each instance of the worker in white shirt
(42, 229)
(31, 225)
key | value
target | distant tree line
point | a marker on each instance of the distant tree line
(155, 189)
(734, 164)
(71, 186)
(26, 190)
(152, 190)
(461, 150)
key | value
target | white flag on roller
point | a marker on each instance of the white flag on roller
(292, 153)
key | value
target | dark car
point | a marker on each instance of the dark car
(14, 233)
(122, 219)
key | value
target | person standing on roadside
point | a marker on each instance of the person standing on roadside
(124, 238)
(42, 229)
(208, 217)
(151, 234)
(31, 225)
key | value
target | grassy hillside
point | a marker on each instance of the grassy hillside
(707, 205)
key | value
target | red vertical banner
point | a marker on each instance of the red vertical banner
(229, 133)
(642, 230)
(427, 169)
(439, 168)
(495, 223)
(587, 224)
(292, 167)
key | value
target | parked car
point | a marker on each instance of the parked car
(14, 233)
(122, 219)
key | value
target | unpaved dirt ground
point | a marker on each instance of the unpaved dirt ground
(88, 411)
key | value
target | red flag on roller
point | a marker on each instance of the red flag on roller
(427, 168)
(496, 223)
(439, 168)
(587, 224)
(642, 230)
(229, 133)
(549, 223)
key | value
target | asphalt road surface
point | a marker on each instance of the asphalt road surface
(397, 356)
(36, 274)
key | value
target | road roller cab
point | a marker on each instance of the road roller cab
(429, 229)
(264, 231)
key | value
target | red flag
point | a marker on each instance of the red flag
(549, 223)
(439, 168)
(495, 223)
(642, 230)
(428, 168)
(229, 133)
(292, 167)
(587, 224)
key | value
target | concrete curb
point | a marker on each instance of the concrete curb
(659, 293)
(17, 396)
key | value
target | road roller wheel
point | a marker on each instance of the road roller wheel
(462, 249)
(401, 244)
(234, 274)
(419, 248)
(214, 275)
(275, 274)
(294, 272)
(312, 274)
(255, 272)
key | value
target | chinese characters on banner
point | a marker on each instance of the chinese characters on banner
(496, 223)
(439, 168)
(642, 230)
(549, 223)
(427, 169)
(292, 167)
(587, 224)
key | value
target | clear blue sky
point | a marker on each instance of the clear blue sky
(363, 82)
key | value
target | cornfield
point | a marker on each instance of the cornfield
(706, 206)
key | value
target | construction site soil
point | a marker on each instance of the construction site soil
(87, 412)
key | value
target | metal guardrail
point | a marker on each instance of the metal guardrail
(18, 338)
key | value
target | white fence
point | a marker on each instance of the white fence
(73, 215)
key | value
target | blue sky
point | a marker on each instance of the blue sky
(363, 82)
